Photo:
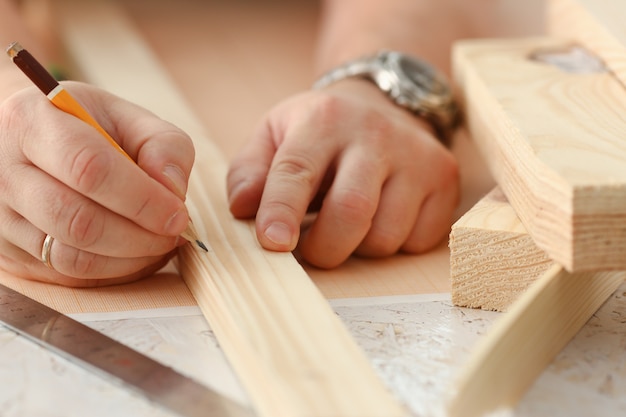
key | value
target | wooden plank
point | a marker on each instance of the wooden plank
(553, 141)
(598, 25)
(493, 259)
(526, 339)
(289, 349)
(496, 265)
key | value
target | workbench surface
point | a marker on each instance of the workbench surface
(398, 309)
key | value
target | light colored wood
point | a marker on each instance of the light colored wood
(598, 25)
(553, 141)
(493, 260)
(290, 351)
(524, 340)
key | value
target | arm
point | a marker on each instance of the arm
(427, 29)
(112, 220)
(385, 183)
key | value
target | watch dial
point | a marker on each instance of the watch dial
(422, 74)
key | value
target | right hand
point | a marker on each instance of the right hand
(112, 220)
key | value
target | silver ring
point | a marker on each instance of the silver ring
(45, 251)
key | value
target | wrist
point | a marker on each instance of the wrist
(408, 82)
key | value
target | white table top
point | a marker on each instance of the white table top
(415, 343)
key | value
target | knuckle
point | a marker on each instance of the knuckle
(450, 173)
(85, 224)
(178, 144)
(76, 263)
(297, 169)
(14, 120)
(327, 109)
(14, 110)
(380, 129)
(85, 264)
(383, 242)
(353, 207)
(89, 170)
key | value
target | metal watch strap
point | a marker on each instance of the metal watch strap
(357, 68)
(443, 118)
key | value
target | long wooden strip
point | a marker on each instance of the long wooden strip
(493, 259)
(552, 304)
(289, 349)
(526, 339)
(554, 142)
(598, 25)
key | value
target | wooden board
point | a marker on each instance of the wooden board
(493, 260)
(289, 349)
(598, 25)
(554, 142)
(526, 339)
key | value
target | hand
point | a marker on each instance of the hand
(385, 183)
(112, 220)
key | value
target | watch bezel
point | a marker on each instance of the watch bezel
(406, 90)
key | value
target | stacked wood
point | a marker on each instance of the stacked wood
(548, 117)
(553, 140)
(528, 337)
(493, 260)
(496, 265)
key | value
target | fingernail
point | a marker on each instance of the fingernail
(177, 177)
(279, 233)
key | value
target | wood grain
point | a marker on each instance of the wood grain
(526, 339)
(553, 141)
(598, 25)
(493, 260)
(289, 349)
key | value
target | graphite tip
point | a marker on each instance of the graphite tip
(202, 245)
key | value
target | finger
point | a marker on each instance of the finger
(292, 182)
(395, 216)
(22, 246)
(347, 211)
(247, 174)
(434, 220)
(78, 221)
(77, 155)
(168, 156)
(73, 262)
(162, 150)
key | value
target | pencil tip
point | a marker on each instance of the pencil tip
(202, 245)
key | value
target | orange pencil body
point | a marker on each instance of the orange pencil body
(60, 97)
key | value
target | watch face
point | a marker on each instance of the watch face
(423, 75)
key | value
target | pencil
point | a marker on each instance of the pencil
(62, 99)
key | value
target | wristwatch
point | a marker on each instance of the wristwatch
(410, 82)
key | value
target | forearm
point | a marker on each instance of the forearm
(424, 28)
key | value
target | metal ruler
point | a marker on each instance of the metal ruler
(100, 354)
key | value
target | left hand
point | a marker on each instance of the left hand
(385, 183)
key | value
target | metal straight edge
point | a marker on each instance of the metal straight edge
(112, 360)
